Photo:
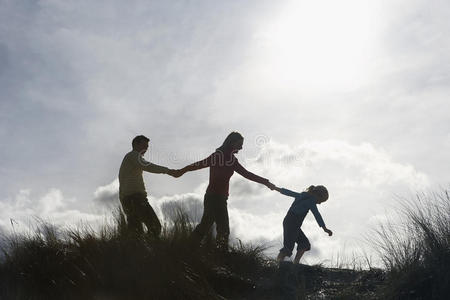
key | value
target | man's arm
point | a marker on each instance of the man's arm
(154, 168)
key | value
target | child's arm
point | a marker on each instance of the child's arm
(319, 220)
(287, 192)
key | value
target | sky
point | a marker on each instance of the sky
(350, 94)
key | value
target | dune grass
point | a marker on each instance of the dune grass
(114, 264)
(416, 252)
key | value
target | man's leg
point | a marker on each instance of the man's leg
(205, 223)
(150, 219)
(222, 222)
(130, 210)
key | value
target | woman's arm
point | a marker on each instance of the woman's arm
(250, 176)
(204, 163)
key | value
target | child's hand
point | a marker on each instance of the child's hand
(330, 233)
(273, 187)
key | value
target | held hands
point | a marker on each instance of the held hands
(176, 173)
(272, 186)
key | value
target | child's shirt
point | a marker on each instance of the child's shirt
(303, 203)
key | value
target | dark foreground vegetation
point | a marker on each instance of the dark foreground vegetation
(416, 251)
(113, 264)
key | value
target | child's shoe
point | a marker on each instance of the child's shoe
(281, 256)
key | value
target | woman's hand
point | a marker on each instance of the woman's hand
(271, 186)
(176, 173)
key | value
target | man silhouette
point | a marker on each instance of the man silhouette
(132, 193)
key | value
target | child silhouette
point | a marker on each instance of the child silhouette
(292, 232)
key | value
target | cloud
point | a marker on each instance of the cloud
(107, 195)
(191, 204)
(21, 213)
(104, 73)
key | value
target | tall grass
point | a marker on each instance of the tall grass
(416, 252)
(115, 264)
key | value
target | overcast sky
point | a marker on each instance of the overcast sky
(350, 94)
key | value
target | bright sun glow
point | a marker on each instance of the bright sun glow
(318, 44)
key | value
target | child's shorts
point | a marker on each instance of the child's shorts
(292, 233)
(302, 241)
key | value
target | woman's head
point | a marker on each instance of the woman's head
(232, 143)
(319, 191)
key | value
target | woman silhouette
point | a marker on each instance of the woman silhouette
(222, 164)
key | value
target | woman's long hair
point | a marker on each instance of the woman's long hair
(229, 141)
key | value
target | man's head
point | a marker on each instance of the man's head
(140, 143)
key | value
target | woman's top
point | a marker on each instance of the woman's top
(221, 168)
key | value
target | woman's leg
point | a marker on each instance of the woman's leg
(205, 223)
(222, 222)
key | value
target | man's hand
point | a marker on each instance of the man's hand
(330, 233)
(175, 173)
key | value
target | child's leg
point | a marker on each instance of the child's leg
(299, 255)
(303, 245)
(290, 228)
(205, 224)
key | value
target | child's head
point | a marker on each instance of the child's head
(319, 191)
